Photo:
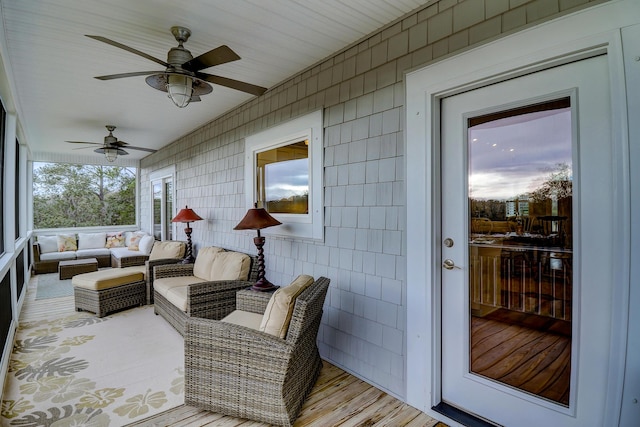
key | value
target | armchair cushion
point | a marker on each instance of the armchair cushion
(244, 318)
(279, 310)
(204, 260)
(230, 266)
(169, 249)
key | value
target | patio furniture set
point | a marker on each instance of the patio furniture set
(248, 353)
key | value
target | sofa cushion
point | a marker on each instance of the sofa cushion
(145, 244)
(114, 240)
(58, 256)
(119, 253)
(169, 249)
(88, 253)
(67, 242)
(48, 244)
(244, 318)
(91, 240)
(230, 265)
(106, 279)
(164, 285)
(204, 260)
(277, 315)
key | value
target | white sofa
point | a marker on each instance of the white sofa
(109, 248)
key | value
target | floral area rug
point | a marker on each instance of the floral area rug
(80, 370)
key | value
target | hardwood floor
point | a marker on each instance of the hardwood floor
(337, 399)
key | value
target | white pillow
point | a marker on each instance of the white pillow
(91, 240)
(48, 244)
(145, 244)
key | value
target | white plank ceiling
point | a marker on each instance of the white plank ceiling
(51, 64)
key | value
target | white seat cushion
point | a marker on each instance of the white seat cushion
(57, 256)
(244, 318)
(87, 253)
(124, 252)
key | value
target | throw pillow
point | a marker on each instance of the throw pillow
(48, 244)
(145, 244)
(279, 310)
(115, 240)
(91, 240)
(134, 242)
(67, 242)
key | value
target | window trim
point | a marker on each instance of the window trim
(309, 126)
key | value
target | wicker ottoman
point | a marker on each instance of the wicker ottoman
(106, 291)
(72, 267)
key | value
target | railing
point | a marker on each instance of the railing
(535, 281)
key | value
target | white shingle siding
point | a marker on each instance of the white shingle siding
(363, 253)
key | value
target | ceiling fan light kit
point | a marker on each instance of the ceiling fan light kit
(182, 78)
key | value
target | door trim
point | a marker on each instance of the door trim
(585, 34)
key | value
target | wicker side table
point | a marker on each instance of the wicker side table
(68, 269)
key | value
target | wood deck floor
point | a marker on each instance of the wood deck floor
(337, 399)
(534, 359)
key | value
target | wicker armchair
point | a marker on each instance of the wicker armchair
(209, 300)
(242, 372)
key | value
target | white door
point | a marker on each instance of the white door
(526, 247)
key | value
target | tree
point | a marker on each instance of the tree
(68, 195)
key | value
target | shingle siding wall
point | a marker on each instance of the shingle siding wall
(362, 92)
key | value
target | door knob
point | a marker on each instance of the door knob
(449, 264)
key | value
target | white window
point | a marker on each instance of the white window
(283, 174)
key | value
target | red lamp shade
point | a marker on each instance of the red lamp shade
(186, 215)
(256, 219)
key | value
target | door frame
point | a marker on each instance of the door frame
(583, 34)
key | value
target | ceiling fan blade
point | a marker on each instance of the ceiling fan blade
(128, 49)
(233, 84)
(217, 56)
(83, 142)
(150, 150)
(81, 148)
(119, 76)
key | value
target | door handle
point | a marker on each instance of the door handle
(449, 264)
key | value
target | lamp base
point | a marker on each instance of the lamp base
(263, 285)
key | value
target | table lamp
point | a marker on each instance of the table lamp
(257, 219)
(187, 215)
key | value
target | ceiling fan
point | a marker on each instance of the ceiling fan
(182, 77)
(112, 147)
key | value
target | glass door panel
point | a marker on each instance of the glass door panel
(520, 248)
(157, 210)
